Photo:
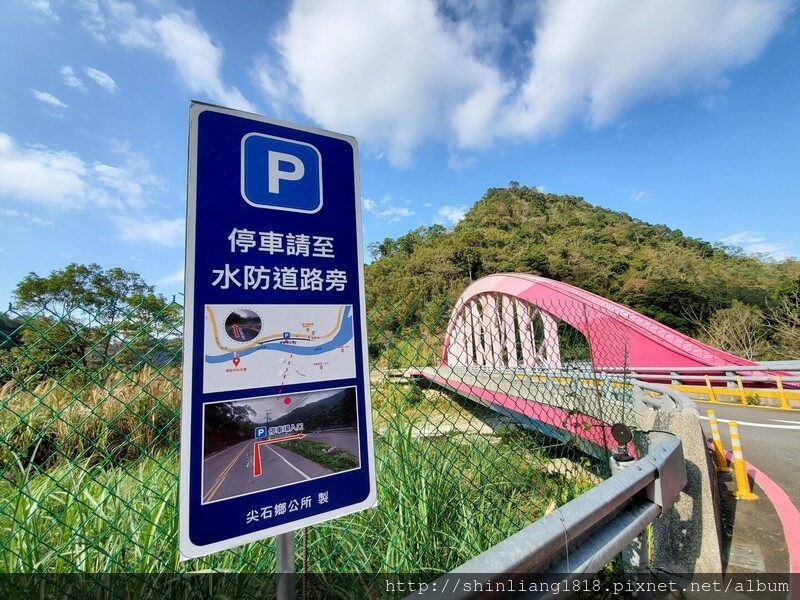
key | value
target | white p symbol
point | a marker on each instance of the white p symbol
(275, 160)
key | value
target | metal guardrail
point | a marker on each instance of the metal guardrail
(778, 385)
(786, 372)
(567, 547)
(670, 400)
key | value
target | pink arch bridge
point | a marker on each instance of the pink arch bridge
(511, 321)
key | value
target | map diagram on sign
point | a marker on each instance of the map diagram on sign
(268, 345)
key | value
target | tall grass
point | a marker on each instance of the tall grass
(442, 501)
(127, 417)
(88, 484)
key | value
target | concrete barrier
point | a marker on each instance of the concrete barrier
(686, 538)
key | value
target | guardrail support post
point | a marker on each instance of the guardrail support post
(711, 396)
(635, 556)
(686, 537)
(741, 389)
(781, 393)
(729, 375)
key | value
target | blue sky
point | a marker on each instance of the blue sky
(682, 113)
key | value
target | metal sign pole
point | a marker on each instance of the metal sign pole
(284, 554)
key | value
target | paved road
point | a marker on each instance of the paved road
(229, 473)
(770, 440)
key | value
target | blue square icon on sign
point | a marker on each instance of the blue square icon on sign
(281, 174)
(261, 433)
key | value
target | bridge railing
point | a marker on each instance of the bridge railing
(645, 394)
(756, 385)
(662, 397)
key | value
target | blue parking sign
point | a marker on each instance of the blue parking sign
(275, 348)
(281, 174)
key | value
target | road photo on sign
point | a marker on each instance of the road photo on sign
(277, 345)
(243, 325)
(268, 442)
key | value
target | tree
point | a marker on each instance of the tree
(740, 329)
(374, 250)
(82, 318)
(670, 301)
(783, 315)
(10, 332)
(226, 423)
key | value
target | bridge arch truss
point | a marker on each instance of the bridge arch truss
(512, 321)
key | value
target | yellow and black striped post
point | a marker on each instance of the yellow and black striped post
(719, 451)
(739, 466)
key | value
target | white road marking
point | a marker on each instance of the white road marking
(288, 463)
(767, 425)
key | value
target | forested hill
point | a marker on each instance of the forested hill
(654, 269)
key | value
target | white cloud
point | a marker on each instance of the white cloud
(71, 79)
(742, 237)
(592, 61)
(385, 211)
(26, 218)
(104, 80)
(198, 60)
(43, 7)
(93, 19)
(397, 73)
(392, 73)
(175, 36)
(640, 195)
(451, 214)
(271, 81)
(162, 232)
(457, 161)
(41, 175)
(753, 242)
(48, 98)
(172, 279)
(62, 179)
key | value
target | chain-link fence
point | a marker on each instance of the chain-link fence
(470, 447)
